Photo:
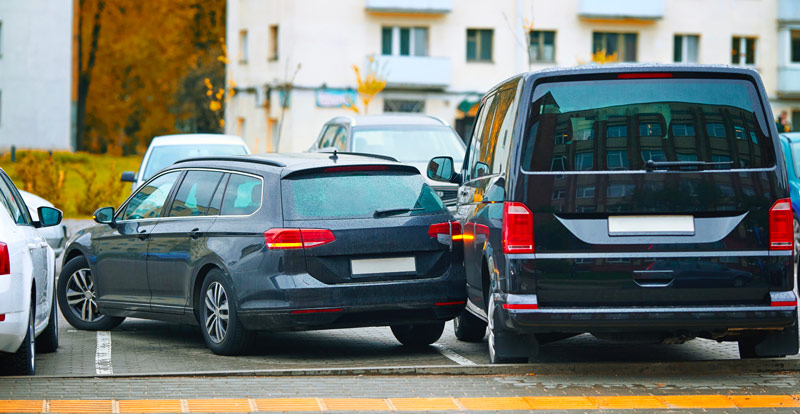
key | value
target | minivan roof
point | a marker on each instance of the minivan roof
(193, 139)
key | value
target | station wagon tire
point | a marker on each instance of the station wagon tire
(23, 362)
(47, 341)
(418, 335)
(76, 284)
(468, 327)
(222, 330)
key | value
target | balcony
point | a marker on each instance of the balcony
(410, 6)
(789, 81)
(621, 9)
(415, 71)
(788, 11)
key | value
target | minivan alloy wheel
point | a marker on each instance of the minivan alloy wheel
(82, 297)
(216, 312)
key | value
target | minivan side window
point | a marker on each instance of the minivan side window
(242, 196)
(494, 150)
(486, 112)
(194, 195)
(148, 202)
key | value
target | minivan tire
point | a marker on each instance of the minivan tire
(468, 327)
(23, 362)
(47, 341)
(418, 335)
(235, 339)
(101, 322)
(508, 347)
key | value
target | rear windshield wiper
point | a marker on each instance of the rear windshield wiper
(393, 211)
(651, 165)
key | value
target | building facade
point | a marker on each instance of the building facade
(292, 61)
(35, 74)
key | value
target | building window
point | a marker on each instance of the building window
(623, 44)
(241, 127)
(542, 46)
(479, 45)
(743, 51)
(716, 130)
(403, 105)
(273, 42)
(404, 41)
(685, 50)
(683, 130)
(243, 46)
(617, 160)
(585, 192)
(559, 194)
(1, 38)
(795, 46)
(584, 161)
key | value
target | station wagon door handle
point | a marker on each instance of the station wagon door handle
(195, 233)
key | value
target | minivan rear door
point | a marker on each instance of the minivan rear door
(654, 189)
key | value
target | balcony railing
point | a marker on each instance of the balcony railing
(788, 10)
(621, 9)
(789, 81)
(415, 71)
(410, 6)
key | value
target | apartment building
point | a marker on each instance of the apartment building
(35, 74)
(292, 60)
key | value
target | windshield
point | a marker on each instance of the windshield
(409, 143)
(357, 195)
(621, 124)
(163, 156)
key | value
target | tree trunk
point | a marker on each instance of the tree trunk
(85, 73)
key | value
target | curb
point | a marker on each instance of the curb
(593, 368)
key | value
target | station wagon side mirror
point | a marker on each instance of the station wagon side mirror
(48, 216)
(441, 169)
(104, 215)
(128, 176)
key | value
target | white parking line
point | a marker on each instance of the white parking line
(452, 355)
(102, 359)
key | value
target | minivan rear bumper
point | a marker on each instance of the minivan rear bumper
(521, 313)
(308, 304)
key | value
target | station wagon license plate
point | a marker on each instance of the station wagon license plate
(377, 266)
(651, 225)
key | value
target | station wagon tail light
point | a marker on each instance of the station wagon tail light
(277, 239)
(517, 228)
(5, 260)
(781, 229)
(446, 232)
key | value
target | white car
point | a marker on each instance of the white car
(166, 149)
(28, 319)
(55, 236)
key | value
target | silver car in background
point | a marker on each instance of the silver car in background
(166, 149)
(409, 138)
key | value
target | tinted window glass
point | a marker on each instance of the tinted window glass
(242, 196)
(481, 132)
(12, 202)
(620, 124)
(149, 200)
(356, 195)
(194, 195)
(164, 156)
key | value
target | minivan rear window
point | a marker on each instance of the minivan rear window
(600, 125)
(356, 195)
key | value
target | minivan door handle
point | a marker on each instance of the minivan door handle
(195, 233)
(142, 235)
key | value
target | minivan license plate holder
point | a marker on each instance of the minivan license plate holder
(657, 225)
(363, 267)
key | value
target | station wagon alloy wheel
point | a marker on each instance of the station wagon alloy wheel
(81, 296)
(216, 312)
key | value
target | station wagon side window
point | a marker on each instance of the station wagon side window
(194, 194)
(242, 196)
(148, 202)
(216, 202)
(12, 201)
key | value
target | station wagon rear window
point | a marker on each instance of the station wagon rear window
(601, 125)
(357, 195)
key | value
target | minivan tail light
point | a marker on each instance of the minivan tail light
(781, 229)
(5, 260)
(517, 228)
(277, 239)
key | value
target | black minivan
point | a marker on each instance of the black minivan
(274, 242)
(637, 203)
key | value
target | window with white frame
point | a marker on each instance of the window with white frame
(623, 44)
(685, 48)
(404, 41)
(795, 45)
(542, 46)
(243, 46)
(479, 45)
(559, 194)
(584, 161)
(273, 42)
(743, 51)
(585, 192)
